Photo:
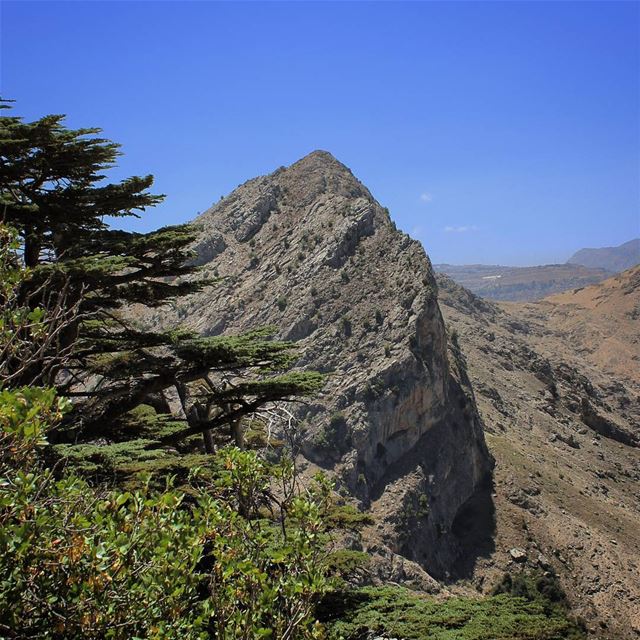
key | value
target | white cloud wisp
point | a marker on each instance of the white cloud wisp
(460, 229)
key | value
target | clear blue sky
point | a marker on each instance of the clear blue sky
(494, 132)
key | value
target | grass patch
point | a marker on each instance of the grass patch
(346, 516)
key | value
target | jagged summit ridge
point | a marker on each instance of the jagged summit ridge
(249, 207)
(319, 159)
(309, 250)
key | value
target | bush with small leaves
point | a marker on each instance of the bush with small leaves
(81, 562)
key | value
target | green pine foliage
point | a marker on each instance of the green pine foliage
(219, 556)
(52, 190)
(395, 612)
(346, 563)
(54, 196)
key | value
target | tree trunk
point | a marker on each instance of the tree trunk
(32, 248)
(209, 444)
(238, 433)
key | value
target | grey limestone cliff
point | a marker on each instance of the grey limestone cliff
(309, 250)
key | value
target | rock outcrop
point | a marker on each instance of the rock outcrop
(308, 250)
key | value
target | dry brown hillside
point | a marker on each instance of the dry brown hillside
(557, 384)
(600, 321)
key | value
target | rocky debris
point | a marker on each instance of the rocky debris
(518, 555)
(543, 562)
(569, 440)
(462, 299)
(524, 499)
(308, 250)
(605, 427)
(389, 567)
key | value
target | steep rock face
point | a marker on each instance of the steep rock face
(309, 250)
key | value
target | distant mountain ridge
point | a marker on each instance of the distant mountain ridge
(614, 259)
(521, 284)
(526, 284)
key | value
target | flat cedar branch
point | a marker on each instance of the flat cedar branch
(54, 194)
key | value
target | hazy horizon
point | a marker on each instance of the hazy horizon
(495, 133)
(537, 264)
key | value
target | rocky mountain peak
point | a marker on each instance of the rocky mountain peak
(320, 161)
(309, 250)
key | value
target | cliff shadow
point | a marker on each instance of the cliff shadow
(474, 529)
(447, 549)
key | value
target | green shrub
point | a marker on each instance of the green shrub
(335, 436)
(533, 586)
(346, 516)
(344, 563)
(423, 506)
